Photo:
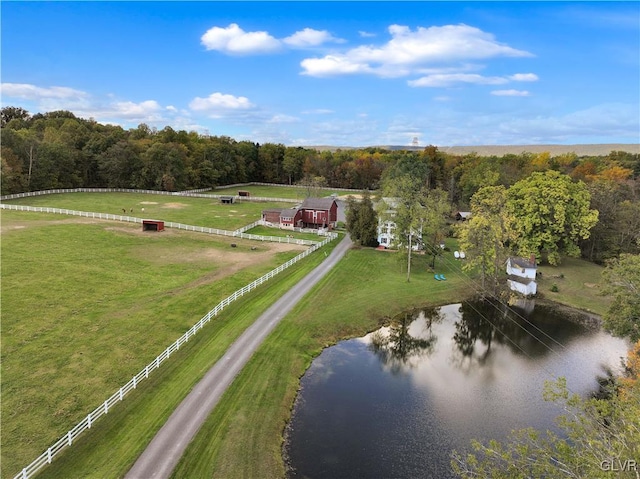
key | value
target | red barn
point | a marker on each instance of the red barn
(319, 213)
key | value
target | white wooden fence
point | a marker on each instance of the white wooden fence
(168, 224)
(68, 439)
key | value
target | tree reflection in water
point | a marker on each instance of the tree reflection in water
(484, 324)
(397, 348)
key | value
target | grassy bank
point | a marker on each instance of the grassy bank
(577, 284)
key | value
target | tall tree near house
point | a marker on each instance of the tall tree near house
(407, 211)
(434, 220)
(549, 212)
(362, 220)
(484, 235)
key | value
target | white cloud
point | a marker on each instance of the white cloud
(510, 93)
(333, 65)
(364, 34)
(283, 119)
(35, 93)
(318, 111)
(218, 105)
(445, 80)
(234, 40)
(131, 110)
(309, 37)
(408, 50)
(524, 77)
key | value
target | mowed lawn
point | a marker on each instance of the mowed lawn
(275, 191)
(208, 212)
(86, 304)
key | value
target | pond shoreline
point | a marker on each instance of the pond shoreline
(301, 450)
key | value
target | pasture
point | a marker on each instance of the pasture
(275, 191)
(208, 212)
(87, 303)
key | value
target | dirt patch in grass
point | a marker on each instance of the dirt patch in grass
(20, 225)
(174, 206)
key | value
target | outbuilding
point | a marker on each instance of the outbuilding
(152, 225)
(227, 200)
(522, 275)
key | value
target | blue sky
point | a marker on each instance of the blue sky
(334, 73)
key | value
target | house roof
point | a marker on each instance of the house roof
(520, 279)
(317, 203)
(464, 214)
(522, 263)
(272, 210)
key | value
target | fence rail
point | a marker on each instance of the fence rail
(68, 439)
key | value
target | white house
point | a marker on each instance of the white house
(522, 275)
(387, 236)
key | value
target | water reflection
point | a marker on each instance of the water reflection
(396, 402)
(398, 347)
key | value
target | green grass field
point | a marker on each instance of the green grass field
(86, 304)
(266, 231)
(578, 283)
(296, 193)
(193, 211)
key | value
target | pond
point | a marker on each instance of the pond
(395, 403)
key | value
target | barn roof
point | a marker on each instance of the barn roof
(288, 212)
(317, 203)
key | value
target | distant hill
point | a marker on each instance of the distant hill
(501, 150)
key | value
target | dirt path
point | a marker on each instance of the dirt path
(165, 450)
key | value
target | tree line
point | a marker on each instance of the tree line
(59, 150)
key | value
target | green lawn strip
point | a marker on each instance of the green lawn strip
(86, 306)
(296, 193)
(111, 447)
(266, 231)
(208, 212)
(243, 436)
(578, 284)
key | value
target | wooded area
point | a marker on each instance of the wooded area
(59, 150)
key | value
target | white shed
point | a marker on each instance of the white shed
(522, 275)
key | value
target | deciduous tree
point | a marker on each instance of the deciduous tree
(621, 279)
(548, 212)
